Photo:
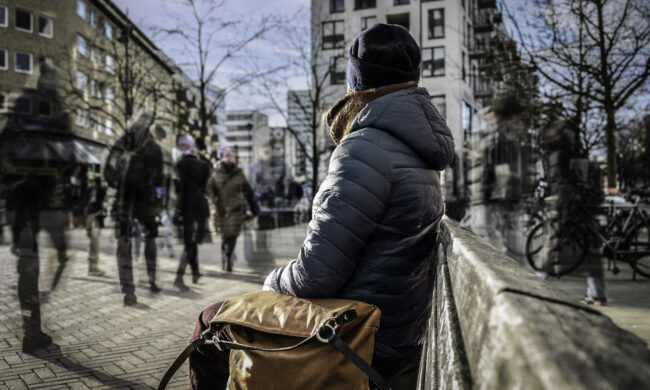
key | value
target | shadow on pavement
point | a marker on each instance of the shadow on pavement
(54, 355)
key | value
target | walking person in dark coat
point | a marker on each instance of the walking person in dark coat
(227, 189)
(376, 215)
(193, 174)
(24, 205)
(135, 167)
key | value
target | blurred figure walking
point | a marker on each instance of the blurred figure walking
(135, 168)
(192, 206)
(227, 189)
(24, 206)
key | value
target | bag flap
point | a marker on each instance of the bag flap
(272, 312)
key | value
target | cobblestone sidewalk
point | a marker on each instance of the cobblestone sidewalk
(101, 343)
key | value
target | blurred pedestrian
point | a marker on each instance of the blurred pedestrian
(86, 214)
(193, 174)
(24, 205)
(135, 168)
(227, 189)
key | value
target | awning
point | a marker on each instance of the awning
(53, 147)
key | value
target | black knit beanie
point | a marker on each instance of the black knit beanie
(381, 55)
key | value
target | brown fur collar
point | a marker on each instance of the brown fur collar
(340, 116)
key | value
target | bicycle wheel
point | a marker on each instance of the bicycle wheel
(638, 246)
(556, 247)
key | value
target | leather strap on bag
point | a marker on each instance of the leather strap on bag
(326, 333)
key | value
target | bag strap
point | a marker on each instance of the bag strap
(326, 333)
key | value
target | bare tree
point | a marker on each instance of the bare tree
(114, 78)
(210, 43)
(595, 52)
(306, 61)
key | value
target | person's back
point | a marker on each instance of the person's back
(193, 174)
(375, 216)
(377, 212)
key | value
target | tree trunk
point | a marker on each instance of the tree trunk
(610, 137)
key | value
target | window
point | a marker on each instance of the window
(108, 30)
(93, 88)
(337, 6)
(362, 4)
(24, 20)
(368, 21)
(82, 46)
(81, 81)
(82, 9)
(3, 16)
(3, 98)
(337, 70)
(82, 118)
(403, 20)
(433, 62)
(401, 2)
(110, 95)
(3, 59)
(108, 126)
(101, 87)
(109, 63)
(23, 105)
(23, 62)
(44, 108)
(45, 27)
(46, 66)
(333, 37)
(92, 19)
(436, 23)
(96, 54)
(440, 103)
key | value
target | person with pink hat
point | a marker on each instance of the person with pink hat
(226, 189)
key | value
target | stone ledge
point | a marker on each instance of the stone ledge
(511, 329)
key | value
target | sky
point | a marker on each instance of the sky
(149, 14)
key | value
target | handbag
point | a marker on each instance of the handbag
(278, 341)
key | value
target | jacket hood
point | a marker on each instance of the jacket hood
(409, 116)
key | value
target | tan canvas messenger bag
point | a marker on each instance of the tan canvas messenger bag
(278, 341)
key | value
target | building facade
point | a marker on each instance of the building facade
(247, 131)
(83, 67)
(457, 38)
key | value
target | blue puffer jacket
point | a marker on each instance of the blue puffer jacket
(375, 217)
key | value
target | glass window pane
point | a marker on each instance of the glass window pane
(44, 108)
(109, 31)
(45, 26)
(3, 16)
(82, 46)
(3, 59)
(23, 20)
(23, 105)
(23, 62)
(82, 10)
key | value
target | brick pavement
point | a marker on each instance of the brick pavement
(104, 344)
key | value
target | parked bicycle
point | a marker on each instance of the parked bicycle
(559, 244)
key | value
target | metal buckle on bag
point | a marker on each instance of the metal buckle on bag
(325, 338)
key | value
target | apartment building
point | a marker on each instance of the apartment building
(247, 131)
(81, 66)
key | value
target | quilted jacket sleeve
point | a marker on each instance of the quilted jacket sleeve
(349, 205)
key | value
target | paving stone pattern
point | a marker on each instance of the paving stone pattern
(101, 343)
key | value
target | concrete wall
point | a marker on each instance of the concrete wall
(495, 325)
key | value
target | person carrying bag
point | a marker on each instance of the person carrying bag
(276, 341)
(374, 226)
